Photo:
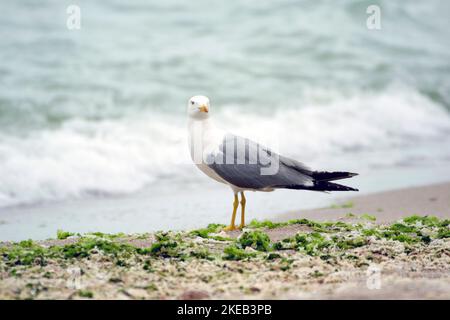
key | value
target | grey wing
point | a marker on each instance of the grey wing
(247, 164)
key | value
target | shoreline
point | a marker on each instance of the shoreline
(361, 254)
(386, 206)
(166, 208)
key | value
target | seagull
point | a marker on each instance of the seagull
(245, 165)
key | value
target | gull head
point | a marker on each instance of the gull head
(198, 107)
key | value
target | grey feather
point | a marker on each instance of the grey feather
(241, 161)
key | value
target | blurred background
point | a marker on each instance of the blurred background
(93, 123)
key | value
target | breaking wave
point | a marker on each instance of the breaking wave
(120, 156)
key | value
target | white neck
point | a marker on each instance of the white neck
(201, 128)
(203, 136)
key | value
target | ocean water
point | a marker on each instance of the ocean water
(93, 123)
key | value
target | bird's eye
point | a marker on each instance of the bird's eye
(192, 102)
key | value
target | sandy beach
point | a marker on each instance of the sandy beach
(123, 126)
(386, 206)
(389, 245)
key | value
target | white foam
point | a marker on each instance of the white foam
(125, 155)
(364, 123)
(84, 157)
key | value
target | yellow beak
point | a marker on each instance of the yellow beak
(203, 108)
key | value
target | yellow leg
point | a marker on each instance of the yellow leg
(243, 201)
(232, 226)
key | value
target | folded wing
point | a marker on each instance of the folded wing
(243, 163)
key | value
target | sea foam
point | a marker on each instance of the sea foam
(121, 156)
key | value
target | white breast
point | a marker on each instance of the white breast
(204, 139)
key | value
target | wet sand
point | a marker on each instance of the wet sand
(419, 270)
(386, 206)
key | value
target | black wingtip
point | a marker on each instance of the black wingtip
(331, 176)
(321, 186)
(331, 186)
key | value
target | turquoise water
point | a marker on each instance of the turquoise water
(99, 112)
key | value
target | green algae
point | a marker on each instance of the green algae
(209, 232)
(165, 246)
(233, 252)
(86, 294)
(25, 253)
(309, 243)
(346, 205)
(107, 235)
(202, 253)
(325, 240)
(273, 256)
(30, 253)
(61, 234)
(265, 224)
(255, 224)
(257, 240)
(85, 246)
(211, 228)
(351, 243)
(368, 217)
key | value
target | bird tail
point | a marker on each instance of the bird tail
(331, 176)
(322, 186)
(321, 181)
